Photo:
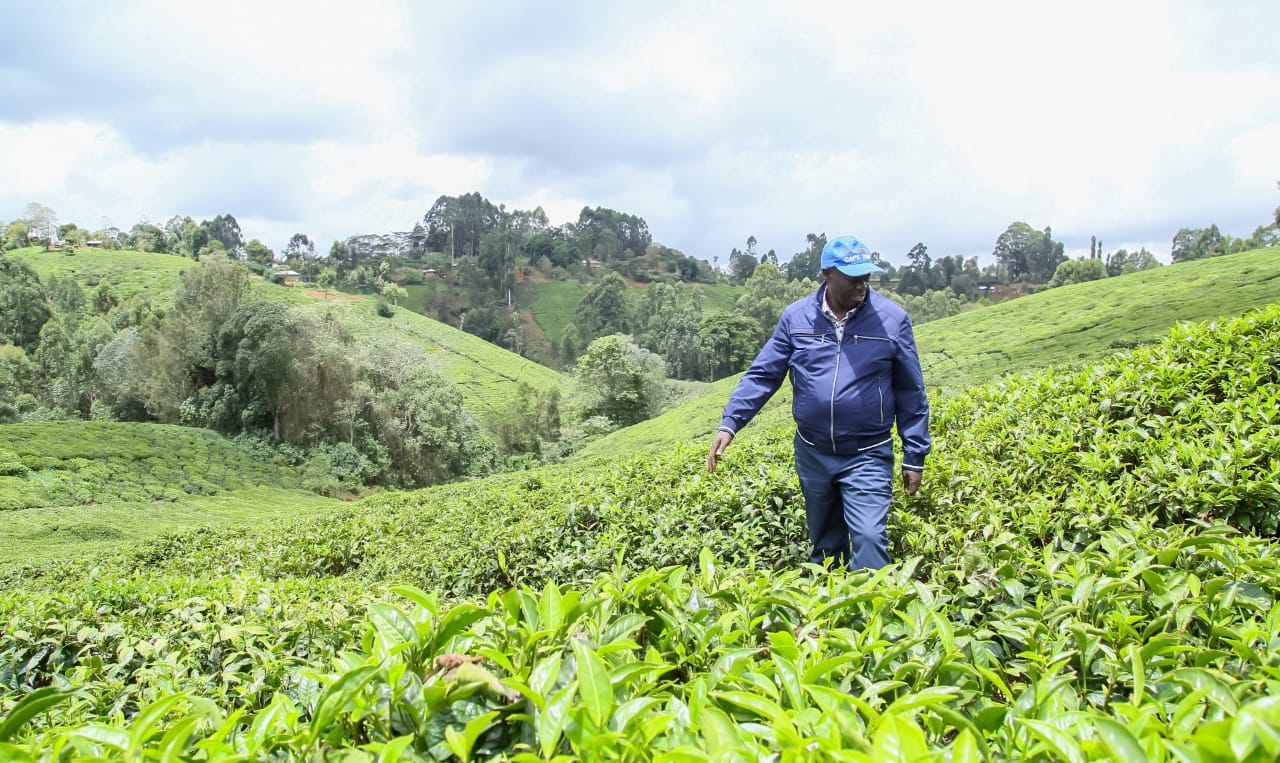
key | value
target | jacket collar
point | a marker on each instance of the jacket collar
(821, 297)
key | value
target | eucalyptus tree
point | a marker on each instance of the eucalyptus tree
(603, 310)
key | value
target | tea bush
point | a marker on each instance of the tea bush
(1091, 573)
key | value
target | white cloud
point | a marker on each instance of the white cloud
(934, 122)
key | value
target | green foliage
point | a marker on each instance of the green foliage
(603, 310)
(1077, 271)
(23, 310)
(1028, 254)
(617, 379)
(729, 342)
(1064, 593)
(933, 305)
(767, 295)
(1123, 262)
(69, 487)
(1089, 321)
(1196, 244)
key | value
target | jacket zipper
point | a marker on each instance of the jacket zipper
(834, 376)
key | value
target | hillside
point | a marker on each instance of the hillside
(1070, 324)
(70, 488)
(482, 371)
(552, 304)
(1077, 581)
(1091, 320)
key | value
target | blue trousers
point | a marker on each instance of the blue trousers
(846, 502)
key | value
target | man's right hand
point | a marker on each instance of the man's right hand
(718, 445)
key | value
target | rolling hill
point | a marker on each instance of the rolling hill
(1070, 324)
(483, 372)
(1090, 573)
(72, 488)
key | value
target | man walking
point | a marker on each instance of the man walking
(854, 372)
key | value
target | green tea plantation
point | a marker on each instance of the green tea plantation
(1091, 573)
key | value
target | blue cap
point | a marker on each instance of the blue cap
(850, 256)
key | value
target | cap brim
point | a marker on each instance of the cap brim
(859, 269)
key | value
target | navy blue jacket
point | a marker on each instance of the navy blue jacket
(849, 392)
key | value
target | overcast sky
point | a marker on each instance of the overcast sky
(933, 122)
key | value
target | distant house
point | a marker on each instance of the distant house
(430, 273)
(286, 277)
(93, 244)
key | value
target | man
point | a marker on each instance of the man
(854, 371)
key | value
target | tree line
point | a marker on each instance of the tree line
(664, 329)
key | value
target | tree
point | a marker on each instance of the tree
(212, 250)
(765, 297)
(16, 372)
(454, 225)
(417, 416)
(1078, 271)
(612, 232)
(1196, 244)
(742, 264)
(603, 310)
(226, 230)
(42, 224)
(258, 252)
(23, 309)
(1013, 249)
(1045, 258)
(145, 237)
(185, 355)
(342, 257)
(72, 234)
(328, 278)
(255, 347)
(1123, 262)
(15, 235)
(914, 278)
(619, 380)
(1028, 254)
(670, 314)
(497, 259)
(528, 423)
(300, 245)
(808, 263)
(728, 343)
(395, 293)
(183, 237)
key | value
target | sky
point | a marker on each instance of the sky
(940, 123)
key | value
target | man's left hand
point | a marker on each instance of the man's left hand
(911, 481)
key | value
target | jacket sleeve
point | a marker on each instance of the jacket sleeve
(912, 402)
(760, 381)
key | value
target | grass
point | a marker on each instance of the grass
(68, 488)
(1066, 325)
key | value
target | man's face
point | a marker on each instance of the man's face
(845, 292)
